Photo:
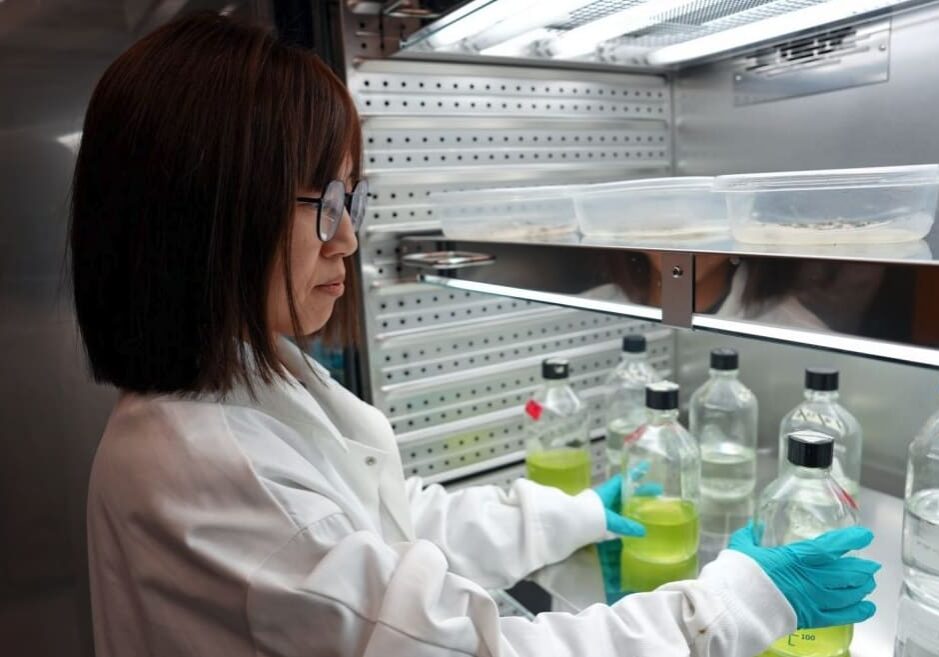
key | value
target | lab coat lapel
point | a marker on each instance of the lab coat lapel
(288, 402)
(372, 464)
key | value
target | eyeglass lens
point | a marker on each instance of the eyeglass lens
(359, 201)
(331, 209)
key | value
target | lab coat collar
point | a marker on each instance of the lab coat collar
(365, 459)
(289, 398)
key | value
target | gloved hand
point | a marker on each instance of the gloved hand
(610, 492)
(823, 586)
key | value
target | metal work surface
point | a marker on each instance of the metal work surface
(577, 583)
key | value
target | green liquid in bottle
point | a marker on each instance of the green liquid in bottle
(669, 550)
(822, 642)
(567, 469)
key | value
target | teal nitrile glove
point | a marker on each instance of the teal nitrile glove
(823, 586)
(610, 492)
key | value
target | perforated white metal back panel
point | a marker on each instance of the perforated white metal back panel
(452, 369)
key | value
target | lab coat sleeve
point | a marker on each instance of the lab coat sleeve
(334, 591)
(497, 537)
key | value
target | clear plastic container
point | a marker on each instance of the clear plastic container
(656, 207)
(804, 502)
(557, 432)
(723, 418)
(918, 631)
(506, 213)
(821, 412)
(626, 398)
(842, 206)
(669, 456)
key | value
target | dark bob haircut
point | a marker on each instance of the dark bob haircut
(195, 143)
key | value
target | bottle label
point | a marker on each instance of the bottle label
(635, 435)
(845, 496)
(533, 409)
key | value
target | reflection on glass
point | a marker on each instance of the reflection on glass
(766, 291)
(867, 299)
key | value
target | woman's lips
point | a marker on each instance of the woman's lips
(332, 289)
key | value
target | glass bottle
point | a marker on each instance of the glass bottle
(626, 398)
(557, 432)
(723, 418)
(669, 456)
(918, 629)
(804, 502)
(821, 412)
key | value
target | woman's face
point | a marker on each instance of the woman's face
(316, 268)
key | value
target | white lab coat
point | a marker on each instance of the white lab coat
(283, 526)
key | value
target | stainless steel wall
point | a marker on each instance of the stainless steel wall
(887, 123)
(452, 369)
(51, 415)
(891, 401)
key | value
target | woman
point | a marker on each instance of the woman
(241, 502)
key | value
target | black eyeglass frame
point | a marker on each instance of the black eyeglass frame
(357, 218)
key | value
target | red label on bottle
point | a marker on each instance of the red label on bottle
(635, 435)
(533, 409)
(845, 497)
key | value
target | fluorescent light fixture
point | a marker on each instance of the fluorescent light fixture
(584, 39)
(537, 14)
(518, 45)
(768, 28)
(473, 21)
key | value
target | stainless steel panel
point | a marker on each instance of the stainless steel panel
(452, 368)
(882, 124)
(891, 400)
(888, 123)
(473, 421)
(678, 288)
(51, 414)
(836, 59)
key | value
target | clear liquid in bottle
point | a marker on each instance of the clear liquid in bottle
(626, 396)
(918, 627)
(723, 418)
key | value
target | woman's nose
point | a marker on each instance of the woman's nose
(344, 242)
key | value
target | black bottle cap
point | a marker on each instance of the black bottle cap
(810, 449)
(822, 379)
(555, 368)
(662, 396)
(634, 344)
(724, 359)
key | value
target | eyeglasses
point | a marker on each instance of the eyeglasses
(330, 206)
